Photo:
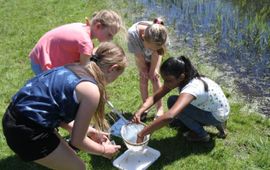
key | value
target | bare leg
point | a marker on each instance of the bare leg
(143, 76)
(63, 157)
(143, 87)
(156, 85)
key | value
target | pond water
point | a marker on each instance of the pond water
(234, 35)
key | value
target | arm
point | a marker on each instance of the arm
(88, 97)
(150, 101)
(97, 136)
(183, 100)
(155, 65)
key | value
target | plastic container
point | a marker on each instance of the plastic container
(129, 134)
(130, 160)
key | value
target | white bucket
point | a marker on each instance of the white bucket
(129, 134)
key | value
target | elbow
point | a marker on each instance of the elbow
(168, 118)
(165, 119)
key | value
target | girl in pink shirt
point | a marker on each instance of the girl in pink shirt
(72, 43)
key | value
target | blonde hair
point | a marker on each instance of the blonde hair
(107, 54)
(156, 33)
(108, 18)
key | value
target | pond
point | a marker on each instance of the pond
(233, 35)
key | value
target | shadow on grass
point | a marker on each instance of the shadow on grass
(171, 149)
(176, 148)
(15, 163)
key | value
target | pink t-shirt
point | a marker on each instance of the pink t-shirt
(62, 45)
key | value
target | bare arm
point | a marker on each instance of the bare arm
(88, 97)
(150, 101)
(183, 100)
(96, 135)
(155, 65)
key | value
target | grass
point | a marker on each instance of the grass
(22, 24)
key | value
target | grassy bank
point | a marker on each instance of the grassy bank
(22, 24)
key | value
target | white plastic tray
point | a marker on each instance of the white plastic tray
(130, 160)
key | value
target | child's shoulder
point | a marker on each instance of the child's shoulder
(142, 23)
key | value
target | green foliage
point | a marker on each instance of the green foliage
(22, 24)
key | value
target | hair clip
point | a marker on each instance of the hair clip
(158, 21)
(94, 58)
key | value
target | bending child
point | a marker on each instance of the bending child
(54, 99)
(72, 43)
(201, 101)
(147, 41)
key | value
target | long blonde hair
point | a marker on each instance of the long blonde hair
(108, 18)
(106, 55)
(156, 33)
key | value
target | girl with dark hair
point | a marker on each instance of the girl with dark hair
(201, 101)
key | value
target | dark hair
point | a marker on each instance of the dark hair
(176, 66)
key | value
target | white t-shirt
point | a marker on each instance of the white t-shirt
(213, 101)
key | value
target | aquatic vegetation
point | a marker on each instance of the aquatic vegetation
(237, 32)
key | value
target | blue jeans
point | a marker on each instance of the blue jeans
(35, 67)
(193, 117)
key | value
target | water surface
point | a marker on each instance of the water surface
(231, 34)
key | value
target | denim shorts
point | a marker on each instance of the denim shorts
(27, 139)
(36, 68)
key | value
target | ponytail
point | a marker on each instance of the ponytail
(191, 72)
(107, 54)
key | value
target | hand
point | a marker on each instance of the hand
(154, 76)
(110, 149)
(97, 136)
(137, 118)
(48, 66)
(139, 138)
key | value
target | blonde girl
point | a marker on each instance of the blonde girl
(54, 99)
(72, 43)
(146, 39)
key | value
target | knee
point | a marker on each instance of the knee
(171, 100)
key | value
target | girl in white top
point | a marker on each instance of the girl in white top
(146, 39)
(201, 101)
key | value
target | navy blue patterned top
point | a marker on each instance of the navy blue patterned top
(48, 99)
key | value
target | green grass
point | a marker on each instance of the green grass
(22, 24)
